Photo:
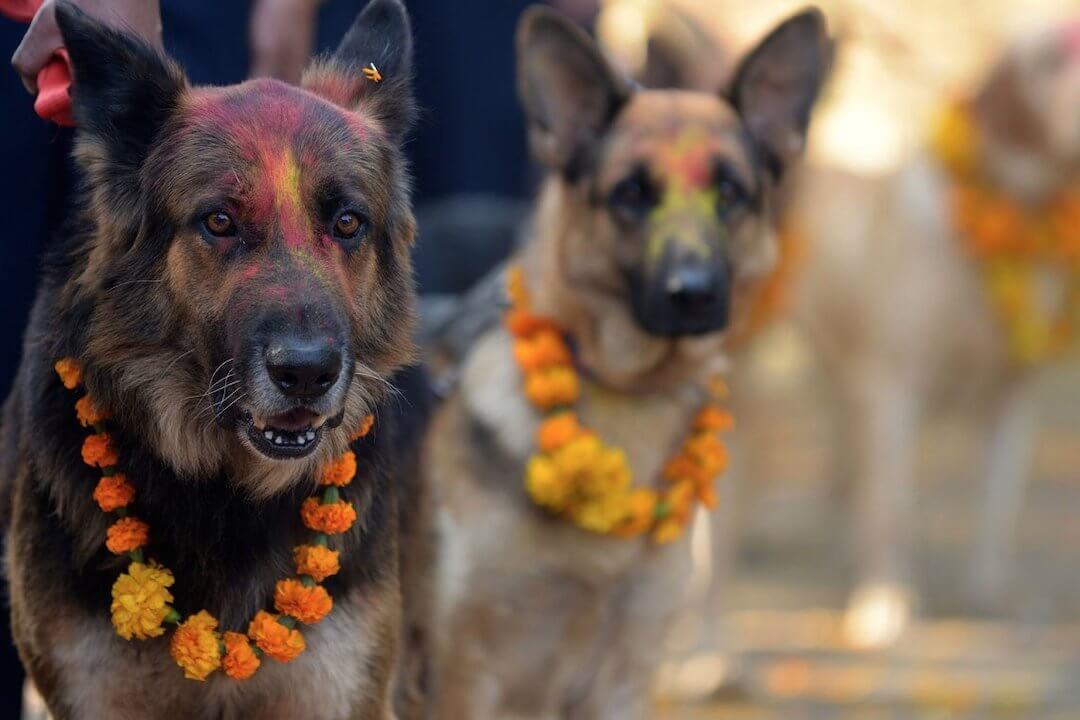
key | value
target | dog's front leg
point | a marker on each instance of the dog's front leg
(887, 406)
(1007, 456)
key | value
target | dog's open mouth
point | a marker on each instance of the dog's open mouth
(291, 435)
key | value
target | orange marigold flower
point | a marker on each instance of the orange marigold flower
(680, 499)
(195, 646)
(714, 418)
(707, 495)
(98, 451)
(341, 471)
(640, 511)
(70, 372)
(540, 350)
(240, 661)
(309, 605)
(682, 467)
(552, 387)
(522, 323)
(88, 412)
(364, 429)
(113, 491)
(330, 519)
(279, 642)
(557, 430)
(126, 534)
(317, 561)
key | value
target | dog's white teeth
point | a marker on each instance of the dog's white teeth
(310, 434)
(268, 435)
(319, 423)
(278, 440)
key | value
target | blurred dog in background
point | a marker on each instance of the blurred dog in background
(956, 276)
(650, 236)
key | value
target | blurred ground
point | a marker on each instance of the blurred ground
(1019, 658)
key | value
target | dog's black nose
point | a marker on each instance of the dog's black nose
(694, 289)
(303, 368)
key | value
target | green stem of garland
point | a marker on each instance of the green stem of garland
(173, 618)
(136, 555)
(307, 581)
(287, 621)
(330, 495)
(320, 539)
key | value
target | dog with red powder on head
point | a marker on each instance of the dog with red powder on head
(208, 495)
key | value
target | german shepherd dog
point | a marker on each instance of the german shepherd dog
(536, 618)
(239, 290)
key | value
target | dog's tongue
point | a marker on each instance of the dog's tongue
(293, 420)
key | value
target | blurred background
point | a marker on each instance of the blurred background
(765, 636)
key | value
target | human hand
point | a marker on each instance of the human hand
(282, 37)
(139, 17)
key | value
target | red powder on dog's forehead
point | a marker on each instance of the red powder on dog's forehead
(686, 160)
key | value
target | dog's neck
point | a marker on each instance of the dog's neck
(611, 348)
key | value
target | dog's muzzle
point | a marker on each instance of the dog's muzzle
(683, 297)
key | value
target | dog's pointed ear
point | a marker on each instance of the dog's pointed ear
(372, 67)
(569, 91)
(777, 84)
(122, 93)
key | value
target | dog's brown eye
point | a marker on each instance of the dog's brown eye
(728, 193)
(219, 224)
(348, 225)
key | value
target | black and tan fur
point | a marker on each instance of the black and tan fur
(160, 312)
(535, 618)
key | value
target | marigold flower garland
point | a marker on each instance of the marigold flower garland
(1010, 242)
(574, 474)
(141, 599)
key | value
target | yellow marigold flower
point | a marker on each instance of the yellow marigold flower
(552, 387)
(274, 639)
(140, 601)
(195, 646)
(594, 469)
(126, 534)
(557, 430)
(98, 451)
(598, 516)
(240, 661)
(317, 561)
(542, 349)
(640, 510)
(545, 484)
(330, 519)
(341, 471)
(70, 372)
(364, 429)
(667, 530)
(113, 492)
(309, 605)
(714, 418)
(88, 412)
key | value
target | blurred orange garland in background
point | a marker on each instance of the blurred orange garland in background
(1013, 244)
(574, 474)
